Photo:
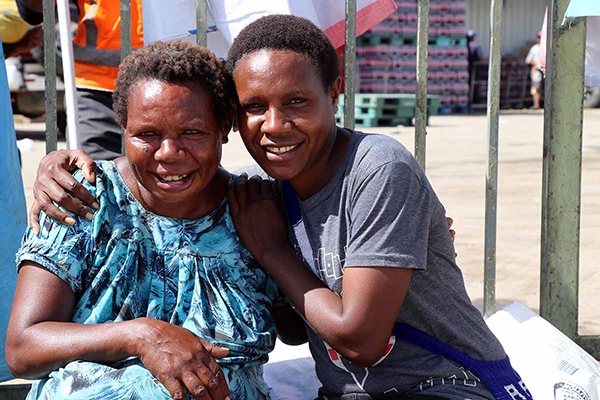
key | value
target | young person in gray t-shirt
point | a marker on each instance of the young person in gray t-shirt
(362, 248)
(369, 263)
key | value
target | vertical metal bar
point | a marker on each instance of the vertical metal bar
(125, 28)
(201, 23)
(563, 126)
(125, 8)
(421, 101)
(50, 75)
(349, 59)
(66, 44)
(491, 177)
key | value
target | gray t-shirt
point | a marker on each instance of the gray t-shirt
(380, 211)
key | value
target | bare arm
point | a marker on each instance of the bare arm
(290, 326)
(41, 339)
(350, 323)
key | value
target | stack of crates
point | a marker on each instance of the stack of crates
(515, 85)
(387, 54)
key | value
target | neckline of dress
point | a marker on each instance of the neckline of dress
(139, 209)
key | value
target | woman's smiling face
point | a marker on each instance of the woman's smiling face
(173, 144)
(286, 115)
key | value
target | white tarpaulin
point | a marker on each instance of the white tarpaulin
(591, 9)
(583, 8)
(176, 19)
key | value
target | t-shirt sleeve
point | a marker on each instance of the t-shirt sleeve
(390, 217)
(28, 15)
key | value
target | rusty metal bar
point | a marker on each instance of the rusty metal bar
(349, 60)
(561, 182)
(125, 8)
(125, 28)
(491, 178)
(201, 23)
(421, 100)
(50, 75)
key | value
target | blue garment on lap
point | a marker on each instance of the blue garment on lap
(13, 218)
(129, 263)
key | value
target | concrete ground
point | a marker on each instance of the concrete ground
(456, 166)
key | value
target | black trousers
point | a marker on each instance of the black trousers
(99, 134)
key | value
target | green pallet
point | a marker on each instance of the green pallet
(375, 112)
(377, 122)
(391, 101)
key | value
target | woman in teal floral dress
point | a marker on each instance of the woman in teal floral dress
(138, 300)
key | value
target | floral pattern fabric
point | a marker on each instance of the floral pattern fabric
(129, 263)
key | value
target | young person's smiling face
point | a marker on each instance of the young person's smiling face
(173, 144)
(286, 115)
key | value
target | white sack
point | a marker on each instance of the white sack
(552, 366)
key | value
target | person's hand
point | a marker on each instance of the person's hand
(54, 183)
(180, 359)
(258, 215)
(452, 231)
(32, 39)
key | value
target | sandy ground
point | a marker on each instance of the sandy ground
(456, 166)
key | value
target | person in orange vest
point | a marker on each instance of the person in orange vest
(97, 51)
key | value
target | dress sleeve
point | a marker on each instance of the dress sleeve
(390, 218)
(62, 250)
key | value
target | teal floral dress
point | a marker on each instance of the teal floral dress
(129, 263)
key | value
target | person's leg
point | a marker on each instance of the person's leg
(99, 134)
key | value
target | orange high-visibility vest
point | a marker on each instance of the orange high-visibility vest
(97, 45)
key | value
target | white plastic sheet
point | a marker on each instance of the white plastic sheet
(582, 8)
(592, 52)
(552, 366)
(176, 19)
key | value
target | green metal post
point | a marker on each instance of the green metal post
(349, 59)
(561, 184)
(421, 101)
(125, 9)
(201, 23)
(50, 75)
(125, 28)
(491, 178)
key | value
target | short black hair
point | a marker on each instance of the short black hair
(175, 62)
(288, 32)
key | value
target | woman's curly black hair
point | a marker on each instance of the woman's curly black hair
(175, 62)
(288, 32)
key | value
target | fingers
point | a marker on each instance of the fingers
(233, 204)
(215, 351)
(46, 205)
(254, 184)
(34, 217)
(450, 222)
(213, 379)
(196, 388)
(175, 389)
(241, 191)
(267, 189)
(59, 195)
(86, 164)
